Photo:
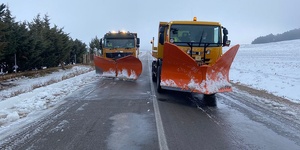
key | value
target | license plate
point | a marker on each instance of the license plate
(198, 57)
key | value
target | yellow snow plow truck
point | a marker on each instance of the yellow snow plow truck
(189, 57)
(119, 56)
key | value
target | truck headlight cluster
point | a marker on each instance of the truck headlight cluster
(208, 52)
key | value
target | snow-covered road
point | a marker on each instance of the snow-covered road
(273, 67)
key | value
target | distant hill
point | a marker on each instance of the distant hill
(289, 35)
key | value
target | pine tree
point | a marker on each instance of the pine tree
(10, 49)
(77, 51)
(35, 44)
(41, 45)
(95, 46)
(24, 47)
(3, 29)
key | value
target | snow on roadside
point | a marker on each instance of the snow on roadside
(25, 84)
(273, 67)
(14, 108)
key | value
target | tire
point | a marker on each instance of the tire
(158, 87)
(210, 100)
(154, 78)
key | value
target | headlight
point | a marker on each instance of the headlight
(208, 52)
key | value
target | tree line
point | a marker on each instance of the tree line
(289, 35)
(35, 44)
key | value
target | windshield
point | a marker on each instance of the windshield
(119, 43)
(181, 34)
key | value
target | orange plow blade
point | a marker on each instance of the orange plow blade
(128, 67)
(105, 66)
(181, 72)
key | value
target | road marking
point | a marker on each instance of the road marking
(163, 145)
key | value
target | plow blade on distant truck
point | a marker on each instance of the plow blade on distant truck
(180, 71)
(128, 67)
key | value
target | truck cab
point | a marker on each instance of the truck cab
(203, 41)
(116, 45)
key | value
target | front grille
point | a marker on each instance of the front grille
(117, 55)
(201, 62)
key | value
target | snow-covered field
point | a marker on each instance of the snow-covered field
(273, 67)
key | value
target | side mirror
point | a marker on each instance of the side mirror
(138, 41)
(161, 38)
(161, 35)
(225, 31)
(138, 45)
(226, 42)
(161, 29)
(101, 46)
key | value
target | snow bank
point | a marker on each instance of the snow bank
(42, 98)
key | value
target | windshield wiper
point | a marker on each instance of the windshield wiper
(200, 42)
(205, 45)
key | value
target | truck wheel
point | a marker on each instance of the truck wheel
(210, 100)
(158, 87)
(154, 78)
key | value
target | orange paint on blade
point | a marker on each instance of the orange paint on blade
(181, 71)
(105, 66)
(129, 67)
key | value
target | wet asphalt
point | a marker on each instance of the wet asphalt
(116, 114)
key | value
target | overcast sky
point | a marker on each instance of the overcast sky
(83, 20)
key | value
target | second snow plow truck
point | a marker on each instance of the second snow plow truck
(119, 56)
(189, 57)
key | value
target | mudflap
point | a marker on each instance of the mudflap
(128, 67)
(181, 72)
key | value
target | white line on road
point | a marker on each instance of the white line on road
(163, 145)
